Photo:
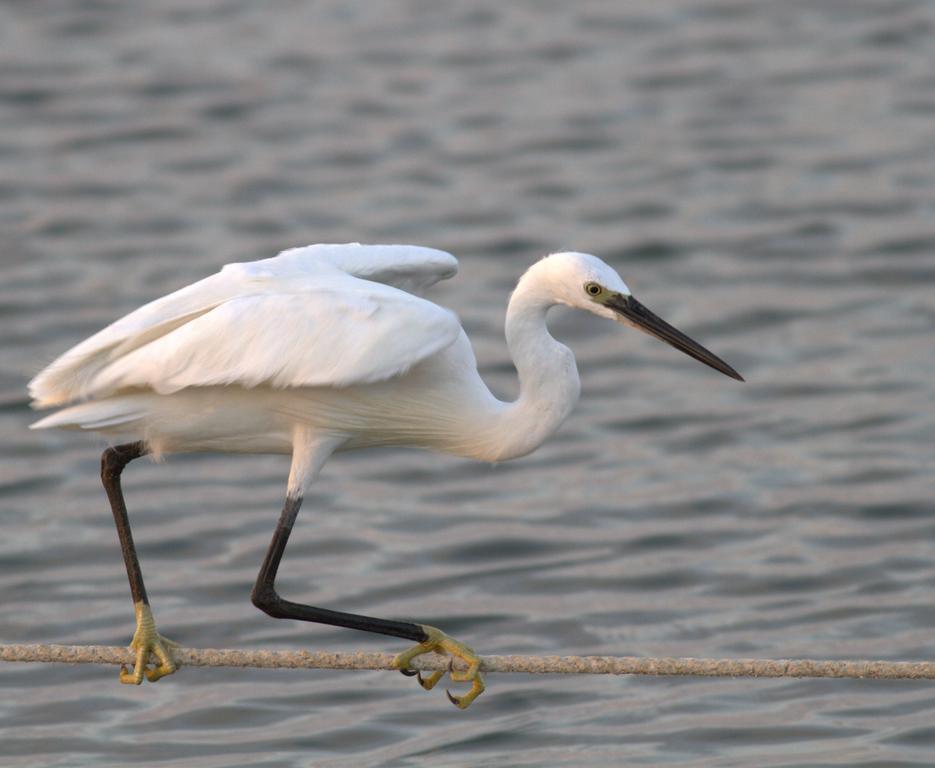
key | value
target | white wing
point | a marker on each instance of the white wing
(313, 316)
(408, 267)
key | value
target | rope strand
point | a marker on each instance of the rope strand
(564, 665)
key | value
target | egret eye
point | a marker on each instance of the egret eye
(593, 289)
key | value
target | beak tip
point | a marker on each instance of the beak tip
(638, 316)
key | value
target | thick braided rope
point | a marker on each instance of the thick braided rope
(565, 665)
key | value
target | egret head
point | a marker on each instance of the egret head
(584, 281)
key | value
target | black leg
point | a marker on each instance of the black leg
(113, 461)
(148, 644)
(267, 600)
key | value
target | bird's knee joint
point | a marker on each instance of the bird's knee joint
(115, 458)
(265, 598)
(112, 463)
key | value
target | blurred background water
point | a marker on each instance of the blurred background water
(763, 176)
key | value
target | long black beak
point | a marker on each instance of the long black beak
(635, 314)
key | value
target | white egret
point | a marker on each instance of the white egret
(321, 349)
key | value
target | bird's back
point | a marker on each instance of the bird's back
(322, 315)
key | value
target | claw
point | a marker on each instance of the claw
(463, 702)
(440, 643)
(428, 683)
(148, 643)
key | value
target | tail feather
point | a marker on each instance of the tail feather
(105, 414)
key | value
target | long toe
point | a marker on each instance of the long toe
(166, 666)
(153, 651)
(153, 660)
(428, 683)
(438, 642)
(134, 677)
(463, 702)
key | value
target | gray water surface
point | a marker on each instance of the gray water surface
(762, 175)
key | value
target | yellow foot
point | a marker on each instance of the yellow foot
(147, 643)
(440, 643)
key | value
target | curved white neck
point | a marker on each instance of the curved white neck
(548, 377)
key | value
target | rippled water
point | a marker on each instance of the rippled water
(762, 174)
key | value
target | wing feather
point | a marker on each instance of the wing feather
(408, 267)
(299, 319)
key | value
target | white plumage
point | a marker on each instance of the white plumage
(321, 349)
(323, 315)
